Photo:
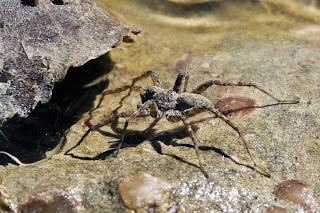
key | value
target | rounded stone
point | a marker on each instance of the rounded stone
(143, 190)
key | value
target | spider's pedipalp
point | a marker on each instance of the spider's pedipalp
(178, 83)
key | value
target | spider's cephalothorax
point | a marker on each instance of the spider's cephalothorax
(176, 105)
(169, 100)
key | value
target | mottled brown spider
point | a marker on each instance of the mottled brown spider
(175, 105)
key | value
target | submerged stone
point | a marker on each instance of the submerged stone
(50, 201)
(143, 190)
(236, 106)
(297, 192)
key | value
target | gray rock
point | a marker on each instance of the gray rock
(39, 43)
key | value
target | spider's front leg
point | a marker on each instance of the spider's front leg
(109, 92)
(117, 90)
(209, 83)
(196, 110)
(142, 110)
(97, 126)
(174, 115)
(234, 127)
(154, 77)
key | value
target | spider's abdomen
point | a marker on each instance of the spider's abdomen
(188, 100)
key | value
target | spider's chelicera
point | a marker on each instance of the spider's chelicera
(175, 105)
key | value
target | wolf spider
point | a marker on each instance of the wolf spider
(176, 105)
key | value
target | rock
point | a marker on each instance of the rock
(236, 106)
(6, 202)
(39, 43)
(143, 190)
(297, 192)
(50, 201)
(276, 209)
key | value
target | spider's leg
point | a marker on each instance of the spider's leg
(193, 111)
(108, 92)
(175, 116)
(117, 90)
(226, 120)
(177, 85)
(97, 126)
(110, 120)
(209, 83)
(155, 79)
(136, 113)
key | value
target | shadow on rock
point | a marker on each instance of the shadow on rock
(29, 138)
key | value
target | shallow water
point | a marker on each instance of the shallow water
(170, 30)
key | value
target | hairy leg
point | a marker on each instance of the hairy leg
(142, 110)
(155, 79)
(97, 126)
(175, 116)
(117, 90)
(108, 92)
(209, 83)
(226, 120)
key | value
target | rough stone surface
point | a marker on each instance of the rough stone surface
(38, 44)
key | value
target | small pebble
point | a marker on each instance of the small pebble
(50, 201)
(31, 2)
(276, 209)
(143, 190)
(297, 192)
(6, 202)
(182, 63)
(237, 106)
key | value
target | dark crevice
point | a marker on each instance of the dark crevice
(43, 130)
(57, 2)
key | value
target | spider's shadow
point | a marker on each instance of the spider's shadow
(134, 138)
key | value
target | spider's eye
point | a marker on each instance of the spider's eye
(147, 94)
